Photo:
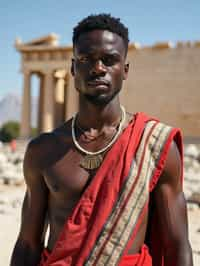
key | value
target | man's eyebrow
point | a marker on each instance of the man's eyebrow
(94, 52)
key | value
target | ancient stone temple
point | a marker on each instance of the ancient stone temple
(164, 81)
(57, 99)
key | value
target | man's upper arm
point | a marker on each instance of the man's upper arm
(35, 201)
(171, 207)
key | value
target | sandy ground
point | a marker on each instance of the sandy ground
(10, 205)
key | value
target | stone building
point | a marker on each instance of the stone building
(164, 81)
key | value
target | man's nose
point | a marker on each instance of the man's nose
(98, 68)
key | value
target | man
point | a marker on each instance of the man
(108, 183)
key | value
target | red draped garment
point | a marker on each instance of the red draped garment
(105, 221)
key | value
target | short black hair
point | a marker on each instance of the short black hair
(102, 22)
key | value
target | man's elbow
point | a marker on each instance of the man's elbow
(23, 254)
(178, 254)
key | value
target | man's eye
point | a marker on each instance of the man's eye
(108, 61)
(83, 59)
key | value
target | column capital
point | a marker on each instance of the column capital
(60, 74)
(26, 71)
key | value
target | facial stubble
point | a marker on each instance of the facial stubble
(101, 99)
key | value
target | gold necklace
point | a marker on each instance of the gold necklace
(93, 160)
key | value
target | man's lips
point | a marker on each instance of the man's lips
(97, 83)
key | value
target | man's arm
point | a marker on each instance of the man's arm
(172, 214)
(29, 244)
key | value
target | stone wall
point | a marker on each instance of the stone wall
(165, 82)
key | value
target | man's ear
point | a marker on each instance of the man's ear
(126, 69)
(72, 67)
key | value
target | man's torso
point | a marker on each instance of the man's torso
(67, 180)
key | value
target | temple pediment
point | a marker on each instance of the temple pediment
(48, 40)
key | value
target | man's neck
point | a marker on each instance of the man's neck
(98, 117)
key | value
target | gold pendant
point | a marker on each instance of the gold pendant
(91, 162)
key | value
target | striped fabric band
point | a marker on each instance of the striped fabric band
(132, 199)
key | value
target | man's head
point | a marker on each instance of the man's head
(100, 44)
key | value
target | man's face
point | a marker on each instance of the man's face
(99, 65)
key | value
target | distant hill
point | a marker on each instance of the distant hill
(10, 109)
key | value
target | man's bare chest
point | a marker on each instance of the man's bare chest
(66, 177)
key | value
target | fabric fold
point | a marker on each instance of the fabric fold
(106, 219)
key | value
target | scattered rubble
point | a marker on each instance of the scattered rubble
(11, 172)
(11, 164)
(191, 185)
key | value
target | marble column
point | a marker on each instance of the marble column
(40, 103)
(59, 97)
(47, 123)
(25, 129)
(72, 98)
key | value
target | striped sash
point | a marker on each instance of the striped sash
(122, 223)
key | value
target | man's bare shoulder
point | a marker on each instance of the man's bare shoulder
(172, 171)
(46, 144)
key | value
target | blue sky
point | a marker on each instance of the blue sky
(148, 22)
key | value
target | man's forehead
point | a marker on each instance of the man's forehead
(98, 38)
